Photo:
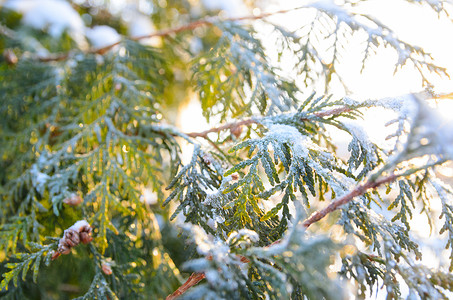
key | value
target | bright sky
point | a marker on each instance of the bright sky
(413, 23)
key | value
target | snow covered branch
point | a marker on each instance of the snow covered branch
(358, 191)
(209, 21)
(92, 138)
(234, 126)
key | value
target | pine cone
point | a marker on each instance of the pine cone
(236, 131)
(73, 200)
(79, 232)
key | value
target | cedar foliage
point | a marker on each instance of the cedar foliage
(96, 126)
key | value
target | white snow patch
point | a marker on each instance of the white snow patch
(140, 25)
(213, 197)
(41, 178)
(290, 135)
(103, 35)
(438, 131)
(350, 102)
(358, 132)
(196, 45)
(79, 225)
(230, 7)
(330, 7)
(212, 223)
(244, 232)
(406, 105)
(346, 181)
(52, 15)
(38, 179)
(212, 276)
(219, 219)
(207, 244)
(149, 197)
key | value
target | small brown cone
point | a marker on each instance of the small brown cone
(236, 131)
(73, 200)
(10, 57)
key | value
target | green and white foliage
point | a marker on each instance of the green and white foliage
(235, 78)
(89, 134)
(292, 266)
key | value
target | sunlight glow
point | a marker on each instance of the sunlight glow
(378, 79)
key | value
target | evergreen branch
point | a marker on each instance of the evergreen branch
(359, 190)
(19, 269)
(195, 277)
(362, 189)
(237, 124)
(332, 112)
(209, 21)
(93, 129)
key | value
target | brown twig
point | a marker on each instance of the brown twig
(166, 32)
(332, 112)
(357, 191)
(334, 205)
(247, 122)
(229, 126)
(191, 281)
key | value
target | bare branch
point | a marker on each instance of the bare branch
(357, 191)
(193, 279)
(227, 126)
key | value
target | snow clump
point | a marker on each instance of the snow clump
(102, 36)
(52, 15)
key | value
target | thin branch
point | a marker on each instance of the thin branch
(191, 281)
(443, 96)
(332, 112)
(166, 32)
(250, 121)
(227, 126)
(357, 191)
(334, 205)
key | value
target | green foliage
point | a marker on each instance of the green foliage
(25, 261)
(97, 125)
(236, 67)
(99, 289)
